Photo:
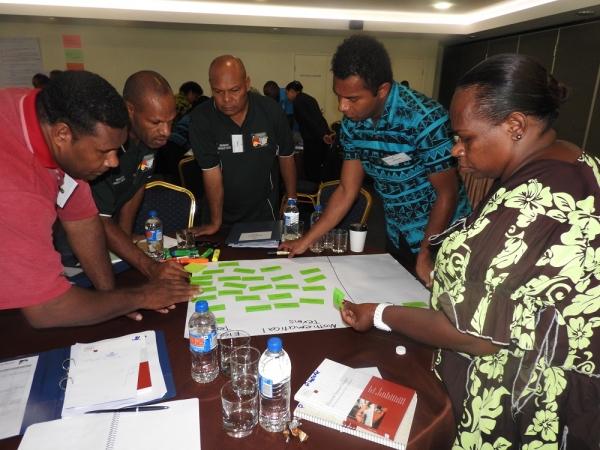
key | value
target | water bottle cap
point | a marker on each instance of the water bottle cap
(152, 213)
(318, 208)
(274, 345)
(291, 201)
(201, 306)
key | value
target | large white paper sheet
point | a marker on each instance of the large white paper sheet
(235, 297)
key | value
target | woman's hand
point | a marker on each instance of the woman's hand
(358, 315)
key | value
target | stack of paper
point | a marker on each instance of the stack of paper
(113, 373)
(255, 235)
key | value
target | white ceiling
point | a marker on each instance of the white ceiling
(466, 17)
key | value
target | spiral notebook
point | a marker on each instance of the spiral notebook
(359, 404)
(176, 427)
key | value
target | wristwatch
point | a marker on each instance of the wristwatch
(377, 317)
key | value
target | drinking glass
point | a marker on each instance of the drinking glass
(340, 240)
(240, 408)
(244, 366)
(185, 238)
(228, 342)
(328, 240)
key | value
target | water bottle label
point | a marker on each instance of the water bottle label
(203, 343)
(154, 235)
(291, 218)
(265, 386)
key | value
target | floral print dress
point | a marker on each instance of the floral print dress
(523, 270)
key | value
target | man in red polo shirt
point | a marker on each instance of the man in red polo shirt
(50, 141)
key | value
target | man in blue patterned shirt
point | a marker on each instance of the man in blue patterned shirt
(401, 139)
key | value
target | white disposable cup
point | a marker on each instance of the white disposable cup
(358, 235)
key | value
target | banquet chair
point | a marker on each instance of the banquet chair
(175, 207)
(359, 213)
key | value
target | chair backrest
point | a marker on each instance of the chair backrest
(174, 205)
(359, 213)
(190, 176)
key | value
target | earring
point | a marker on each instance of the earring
(517, 137)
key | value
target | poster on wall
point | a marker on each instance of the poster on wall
(20, 60)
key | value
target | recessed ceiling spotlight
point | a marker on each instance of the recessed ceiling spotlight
(585, 12)
(443, 5)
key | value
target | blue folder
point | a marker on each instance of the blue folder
(46, 398)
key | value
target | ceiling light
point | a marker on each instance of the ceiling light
(443, 5)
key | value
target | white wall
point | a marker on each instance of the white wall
(183, 53)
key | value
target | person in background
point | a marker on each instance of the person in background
(316, 135)
(119, 192)
(53, 140)
(516, 294)
(272, 90)
(40, 81)
(178, 144)
(241, 141)
(400, 138)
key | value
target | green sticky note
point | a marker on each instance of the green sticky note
(314, 279)
(282, 277)
(219, 307)
(203, 283)
(254, 278)
(230, 278)
(313, 301)
(258, 308)
(287, 286)
(270, 268)
(309, 271)
(245, 298)
(206, 297)
(415, 305)
(314, 288)
(229, 264)
(209, 288)
(286, 305)
(201, 277)
(338, 298)
(261, 287)
(231, 292)
(244, 270)
(281, 296)
(220, 320)
(235, 285)
(213, 271)
(194, 267)
(74, 55)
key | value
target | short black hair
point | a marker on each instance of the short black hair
(271, 89)
(295, 85)
(363, 56)
(509, 82)
(144, 82)
(81, 99)
(40, 80)
(191, 86)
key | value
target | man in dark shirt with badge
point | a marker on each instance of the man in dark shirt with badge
(119, 192)
(241, 141)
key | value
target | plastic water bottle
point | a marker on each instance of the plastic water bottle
(154, 235)
(317, 245)
(274, 371)
(203, 344)
(291, 217)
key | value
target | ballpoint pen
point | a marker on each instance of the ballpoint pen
(129, 409)
(279, 253)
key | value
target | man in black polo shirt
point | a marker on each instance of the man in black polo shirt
(119, 192)
(241, 141)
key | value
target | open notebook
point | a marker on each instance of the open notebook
(177, 427)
